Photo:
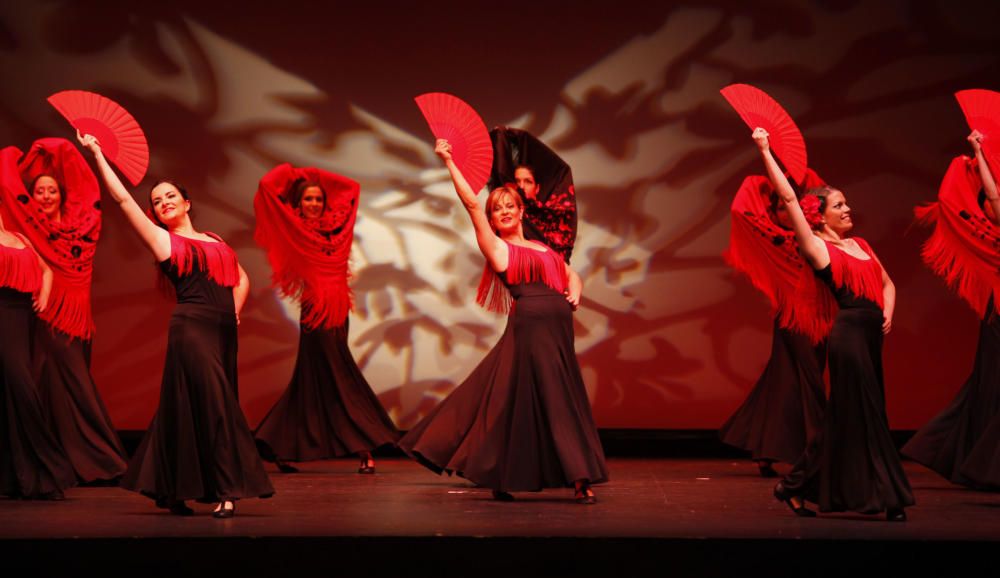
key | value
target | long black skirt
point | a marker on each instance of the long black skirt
(32, 463)
(198, 446)
(945, 443)
(328, 409)
(982, 466)
(74, 407)
(784, 410)
(853, 465)
(521, 421)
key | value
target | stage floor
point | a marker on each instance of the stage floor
(651, 505)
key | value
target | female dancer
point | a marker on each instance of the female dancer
(198, 446)
(305, 221)
(32, 463)
(521, 420)
(852, 465)
(962, 249)
(64, 223)
(784, 409)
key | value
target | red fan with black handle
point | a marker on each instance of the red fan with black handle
(452, 119)
(121, 138)
(982, 112)
(758, 109)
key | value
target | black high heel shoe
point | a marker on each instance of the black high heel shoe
(783, 495)
(895, 515)
(224, 512)
(285, 467)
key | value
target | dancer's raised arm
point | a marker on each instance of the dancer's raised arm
(490, 244)
(813, 248)
(989, 184)
(155, 238)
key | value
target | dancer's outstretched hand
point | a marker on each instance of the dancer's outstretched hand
(573, 298)
(976, 140)
(760, 137)
(442, 148)
(89, 142)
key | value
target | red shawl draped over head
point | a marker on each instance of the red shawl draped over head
(309, 256)
(964, 246)
(769, 255)
(67, 246)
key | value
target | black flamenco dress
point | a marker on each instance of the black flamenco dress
(199, 446)
(982, 466)
(785, 407)
(328, 409)
(946, 444)
(521, 421)
(76, 412)
(32, 463)
(853, 465)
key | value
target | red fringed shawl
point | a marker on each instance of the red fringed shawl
(68, 246)
(524, 265)
(861, 277)
(964, 247)
(769, 256)
(19, 269)
(217, 260)
(309, 257)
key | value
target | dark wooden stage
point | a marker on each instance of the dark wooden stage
(658, 517)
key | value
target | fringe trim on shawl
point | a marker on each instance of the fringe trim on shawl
(217, 260)
(69, 310)
(860, 277)
(524, 265)
(19, 269)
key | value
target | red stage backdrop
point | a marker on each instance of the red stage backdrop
(626, 92)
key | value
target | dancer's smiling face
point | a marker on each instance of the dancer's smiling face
(169, 203)
(48, 195)
(312, 203)
(505, 210)
(836, 213)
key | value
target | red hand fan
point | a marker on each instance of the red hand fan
(758, 109)
(121, 137)
(450, 118)
(982, 112)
